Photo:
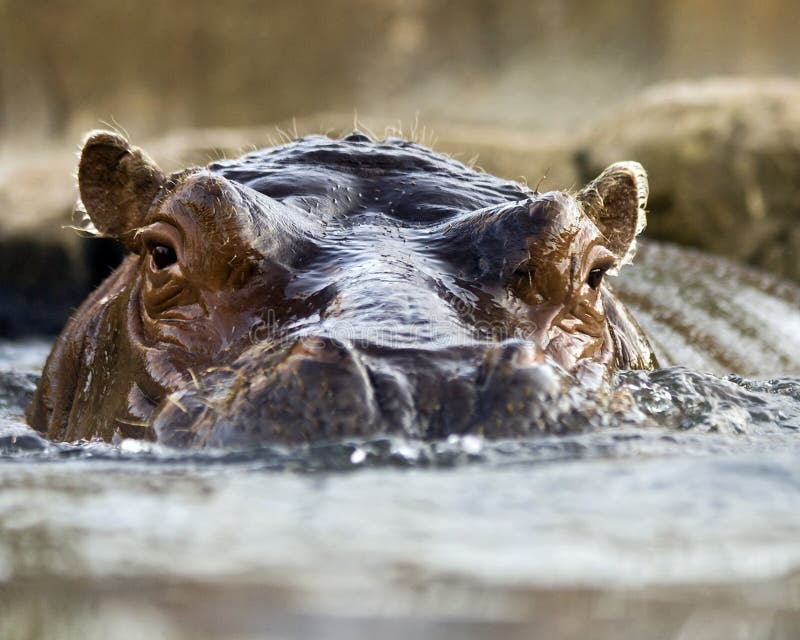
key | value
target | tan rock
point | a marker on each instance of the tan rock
(723, 157)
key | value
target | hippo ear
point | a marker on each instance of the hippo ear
(117, 184)
(615, 201)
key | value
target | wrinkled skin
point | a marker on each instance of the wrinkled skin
(329, 288)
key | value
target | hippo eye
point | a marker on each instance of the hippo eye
(163, 255)
(596, 277)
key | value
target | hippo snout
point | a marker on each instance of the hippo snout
(324, 388)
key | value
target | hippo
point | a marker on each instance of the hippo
(333, 288)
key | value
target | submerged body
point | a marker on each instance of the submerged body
(329, 288)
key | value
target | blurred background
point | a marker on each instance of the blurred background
(531, 65)
(704, 94)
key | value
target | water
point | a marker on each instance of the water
(674, 514)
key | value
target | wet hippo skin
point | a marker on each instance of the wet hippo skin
(330, 288)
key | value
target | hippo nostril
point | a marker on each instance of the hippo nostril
(319, 348)
(528, 355)
(504, 359)
(521, 353)
(308, 345)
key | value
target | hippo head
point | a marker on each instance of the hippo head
(328, 288)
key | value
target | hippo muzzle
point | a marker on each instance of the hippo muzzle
(322, 388)
(335, 288)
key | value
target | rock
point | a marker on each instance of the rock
(723, 156)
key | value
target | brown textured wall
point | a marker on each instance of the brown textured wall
(153, 66)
